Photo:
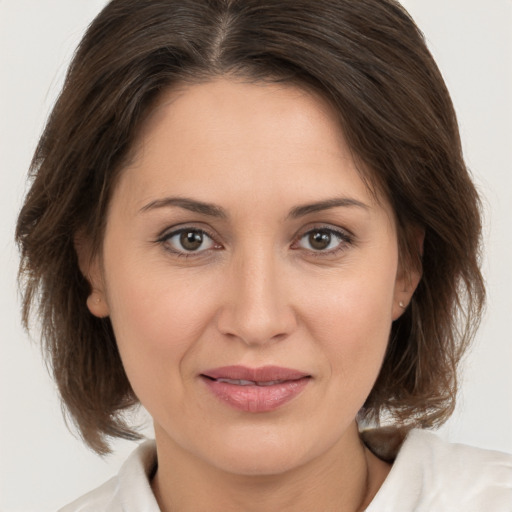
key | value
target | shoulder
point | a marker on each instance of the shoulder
(100, 499)
(129, 491)
(431, 474)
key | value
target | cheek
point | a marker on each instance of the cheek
(351, 317)
(157, 319)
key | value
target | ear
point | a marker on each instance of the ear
(90, 266)
(408, 277)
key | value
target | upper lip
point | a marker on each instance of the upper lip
(261, 374)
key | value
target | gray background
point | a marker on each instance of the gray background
(42, 466)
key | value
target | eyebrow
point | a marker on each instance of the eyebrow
(213, 210)
(301, 211)
(192, 205)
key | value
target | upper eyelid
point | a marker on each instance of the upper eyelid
(343, 232)
(180, 228)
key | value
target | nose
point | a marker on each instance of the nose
(257, 309)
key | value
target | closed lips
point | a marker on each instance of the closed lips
(255, 390)
(249, 382)
(244, 376)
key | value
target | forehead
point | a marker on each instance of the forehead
(226, 131)
(232, 107)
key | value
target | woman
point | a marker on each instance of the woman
(254, 218)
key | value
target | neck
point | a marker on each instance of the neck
(345, 479)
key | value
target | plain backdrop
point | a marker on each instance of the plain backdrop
(42, 465)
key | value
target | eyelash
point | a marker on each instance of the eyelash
(166, 237)
(344, 238)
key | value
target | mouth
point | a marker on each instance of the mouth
(255, 390)
(250, 382)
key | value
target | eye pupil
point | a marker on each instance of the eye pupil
(191, 240)
(319, 240)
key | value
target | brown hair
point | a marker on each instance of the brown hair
(369, 60)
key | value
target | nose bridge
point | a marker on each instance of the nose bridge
(257, 308)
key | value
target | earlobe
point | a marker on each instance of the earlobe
(90, 268)
(404, 290)
(407, 279)
(97, 305)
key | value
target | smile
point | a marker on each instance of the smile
(255, 390)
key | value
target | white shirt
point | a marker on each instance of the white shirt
(427, 475)
(432, 475)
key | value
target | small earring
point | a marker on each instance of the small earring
(94, 300)
(97, 304)
(401, 304)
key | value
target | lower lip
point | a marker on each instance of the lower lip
(257, 398)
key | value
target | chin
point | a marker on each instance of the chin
(264, 453)
(260, 462)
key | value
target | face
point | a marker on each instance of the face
(250, 276)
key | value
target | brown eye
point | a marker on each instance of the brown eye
(319, 240)
(191, 240)
(188, 240)
(324, 240)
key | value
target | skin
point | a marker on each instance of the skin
(255, 293)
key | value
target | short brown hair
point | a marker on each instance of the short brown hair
(368, 59)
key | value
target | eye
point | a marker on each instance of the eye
(188, 240)
(323, 240)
